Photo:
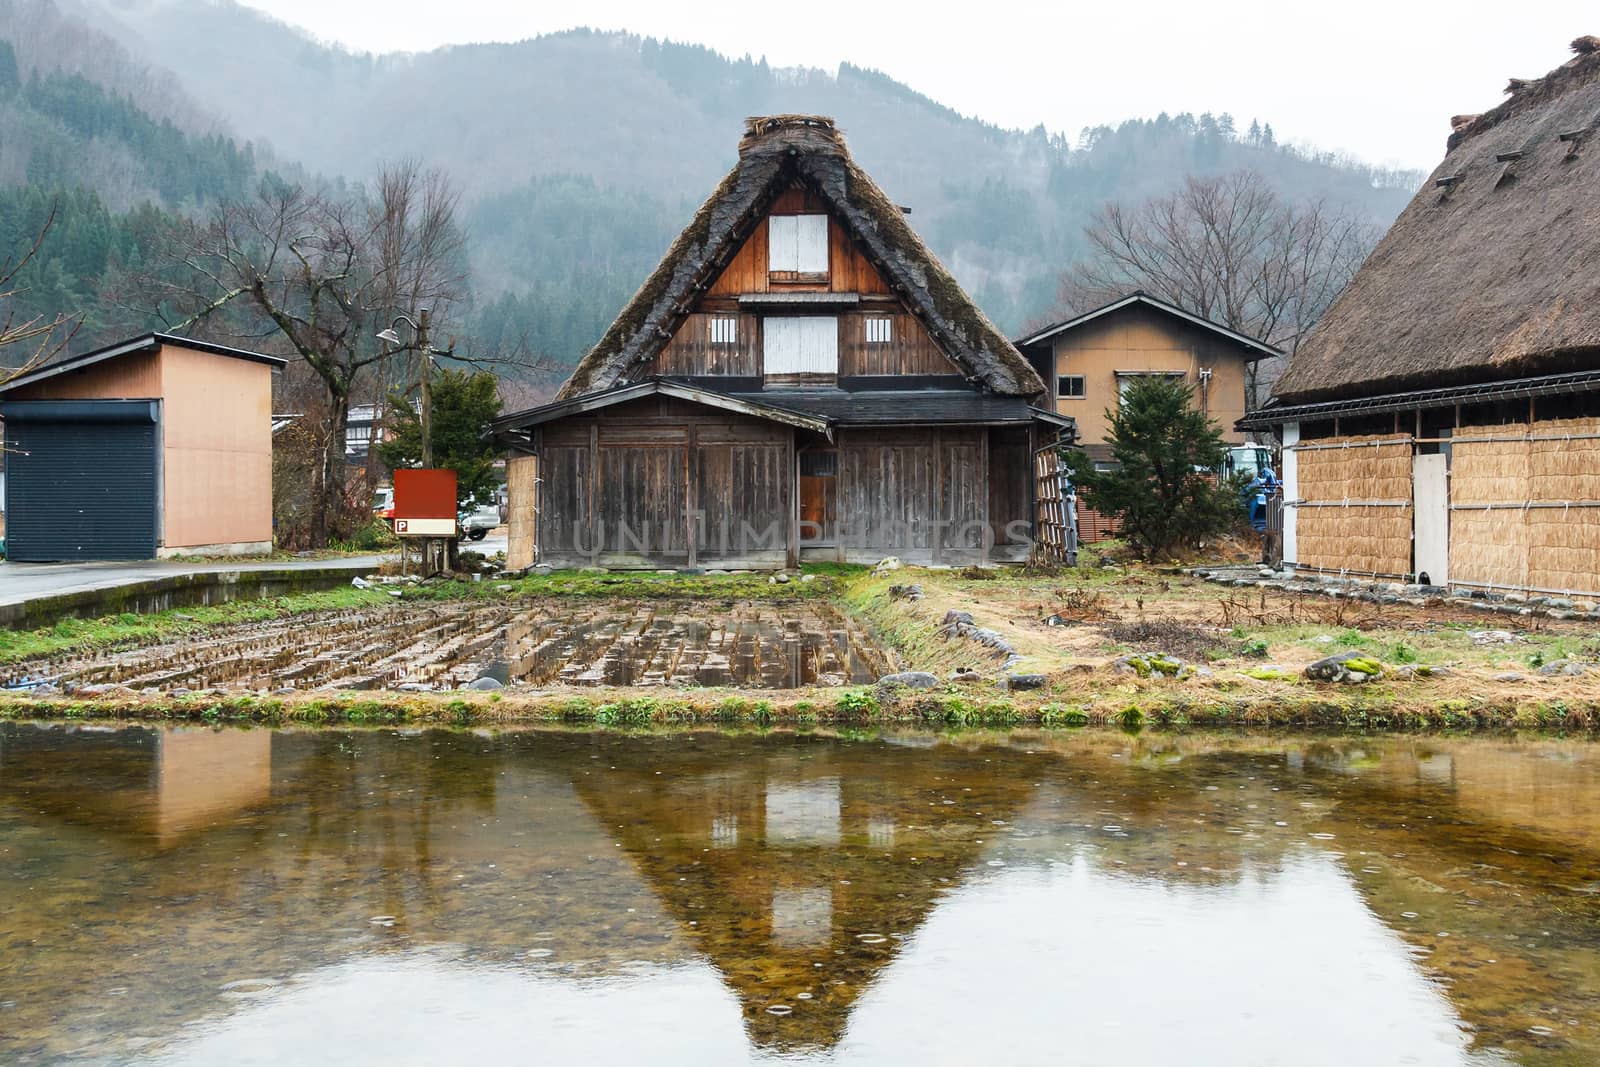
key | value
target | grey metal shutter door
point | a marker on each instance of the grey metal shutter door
(80, 491)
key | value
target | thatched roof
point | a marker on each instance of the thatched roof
(775, 152)
(1490, 272)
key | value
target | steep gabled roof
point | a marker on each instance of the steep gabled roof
(775, 153)
(1490, 272)
(1255, 348)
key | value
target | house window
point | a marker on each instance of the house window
(797, 246)
(724, 329)
(880, 330)
(801, 345)
(1070, 387)
(1126, 378)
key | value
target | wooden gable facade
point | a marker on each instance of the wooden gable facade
(874, 334)
(801, 382)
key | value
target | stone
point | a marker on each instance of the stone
(958, 618)
(284, 691)
(1563, 667)
(543, 569)
(1508, 676)
(486, 684)
(504, 587)
(905, 592)
(887, 564)
(1417, 670)
(43, 689)
(781, 579)
(360, 582)
(911, 679)
(808, 577)
(414, 687)
(594, 570)
(830, 679)
(179, 692)
(1024, 681)
(1148, 664)
(397, 594)
(1347, 668)
(1484, 638)
(964, 676)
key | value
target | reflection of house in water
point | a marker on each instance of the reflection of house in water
(801, 865)
(159, 785)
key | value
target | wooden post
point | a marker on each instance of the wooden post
(792, 547)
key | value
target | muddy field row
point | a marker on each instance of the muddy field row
(449, 646)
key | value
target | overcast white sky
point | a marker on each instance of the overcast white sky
(1378, 79)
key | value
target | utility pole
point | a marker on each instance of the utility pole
(423, 317)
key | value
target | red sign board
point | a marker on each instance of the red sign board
(424, 494)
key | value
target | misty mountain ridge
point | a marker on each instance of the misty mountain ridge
(581, 154)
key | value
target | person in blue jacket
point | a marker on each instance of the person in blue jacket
(1263, 487)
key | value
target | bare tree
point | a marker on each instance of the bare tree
(1229, 249)
(324, 273)
(28, 343)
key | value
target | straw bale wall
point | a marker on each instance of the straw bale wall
(1357, 536)
(1552, 548)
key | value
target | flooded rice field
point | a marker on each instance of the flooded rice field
(197, 896)
(446, 646)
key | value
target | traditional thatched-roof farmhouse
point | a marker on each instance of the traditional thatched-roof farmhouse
(1443, 419)
(800, 378)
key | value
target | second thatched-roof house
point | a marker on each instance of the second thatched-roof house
(1442, 422)
(800, 378)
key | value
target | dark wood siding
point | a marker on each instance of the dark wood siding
(910, 349)
(690, 353)
(742, 484)
(565, 467)
(1010, 476)
(625, 487)
(963, 497)
(896, 488)
(640, 493)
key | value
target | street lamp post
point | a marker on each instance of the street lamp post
(420, 324)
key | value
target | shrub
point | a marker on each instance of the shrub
(1161, 488)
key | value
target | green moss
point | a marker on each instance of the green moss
(1267, 674)
(1363, 665)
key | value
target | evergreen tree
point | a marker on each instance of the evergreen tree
(1163, 488)
(464, 403)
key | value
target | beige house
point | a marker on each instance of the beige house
(1089, 360)
(156, 446)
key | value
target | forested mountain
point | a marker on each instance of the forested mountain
(581, 154)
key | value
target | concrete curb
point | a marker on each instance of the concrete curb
(186, 590)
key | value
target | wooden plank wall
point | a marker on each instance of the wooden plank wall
(848, 270)
(911, 350)
(628, 488)
(691, 353)
(894, 485)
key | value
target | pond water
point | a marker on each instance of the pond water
(200, 896)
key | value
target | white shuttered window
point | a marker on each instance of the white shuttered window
(808, 345)
(798, 244)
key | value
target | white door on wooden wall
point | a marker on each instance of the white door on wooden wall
(1430, 495)
(801, 345)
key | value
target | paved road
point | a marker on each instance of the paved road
(21, 582)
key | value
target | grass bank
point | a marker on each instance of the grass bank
(1246, 654)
